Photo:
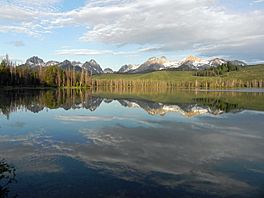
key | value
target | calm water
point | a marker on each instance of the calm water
(73, 143)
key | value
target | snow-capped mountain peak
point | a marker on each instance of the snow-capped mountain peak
(128, 68)
(51, 63)
(93, 67)
(188, 63)
(93, 62)
(172, 64)
(155, 60)
(217, 61)
(196, 61)
(76, 63)
(108, 71)
(192, 59)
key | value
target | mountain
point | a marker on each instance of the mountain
(51, 63)
(108, 71)
(34, 62)
(152, 64)
(188, 63)
(172, 64)
(217, 62)
(194, 63)
(67, 65)
(76, 63)
(93, 67)
(128, 68)
(153, 108)
(237, 63)
(93, 103)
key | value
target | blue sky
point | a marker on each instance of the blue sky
(118, 32)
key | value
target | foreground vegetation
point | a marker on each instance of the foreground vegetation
(249, 77)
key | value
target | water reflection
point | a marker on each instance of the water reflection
(78, 149)
(187, 103)
(7, 177)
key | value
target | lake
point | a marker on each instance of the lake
(107, 143)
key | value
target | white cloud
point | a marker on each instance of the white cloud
(169, 25)
(82, 52)
(18, 29)
(258, 1)
(39, 4)
(31, 17)
(166, 25)
(92, 52)
(12, 12)
(83, 118)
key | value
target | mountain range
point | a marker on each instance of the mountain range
(152, 64)
(188, 63)
(92, 66)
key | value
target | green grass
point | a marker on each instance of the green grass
(246, 74)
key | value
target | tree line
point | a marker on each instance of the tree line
(35, 100)
(218, 71)
(206, 83)
(52, 76)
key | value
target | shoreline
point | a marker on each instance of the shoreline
(236, 89)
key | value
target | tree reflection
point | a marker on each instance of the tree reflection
(153, 102)
(7, 176)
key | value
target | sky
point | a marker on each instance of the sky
(118, 32)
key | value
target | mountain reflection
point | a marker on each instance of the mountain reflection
(115, 150)
(176, 155)
(153, 108)
(186, 103)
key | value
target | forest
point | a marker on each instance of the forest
(52, 76)
(218, 71)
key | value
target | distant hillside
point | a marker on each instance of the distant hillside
(250, 76)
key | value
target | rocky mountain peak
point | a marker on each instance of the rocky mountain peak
(217, 62)
(76, 63)
(93, 67)
(128, 68)
(192, 58)
(156, 60)
(35, 61)
(108, 71)
(51, 63)
(93, 62)
(66, 62)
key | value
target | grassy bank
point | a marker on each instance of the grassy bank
(251, 76)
